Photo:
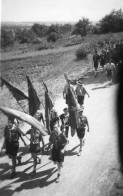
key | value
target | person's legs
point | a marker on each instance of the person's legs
(35, 163)
(80, 150)
(66, 131)
(13, 166)
(42, 139)
(59, 165)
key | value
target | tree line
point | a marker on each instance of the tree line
(112, 22)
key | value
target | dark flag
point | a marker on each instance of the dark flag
(17, 94)
(48, 106)
(73, 108)
(34, 101)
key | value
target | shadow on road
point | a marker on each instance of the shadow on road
(39, 180)
(70, 152)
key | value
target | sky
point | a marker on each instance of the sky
(56, 10)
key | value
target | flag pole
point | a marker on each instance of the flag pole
(21, 107)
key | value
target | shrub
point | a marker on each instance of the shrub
(81, 53)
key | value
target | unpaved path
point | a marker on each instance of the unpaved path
(94, 173)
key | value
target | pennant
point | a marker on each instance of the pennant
(17, 94)
(48, 106)
(73, 108)
(34, 102)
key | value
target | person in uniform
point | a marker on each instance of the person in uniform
(102, 59)
(12, 134)
(96, 59)
(80, 93)
(65, 121)
(83, 123)
(39, 116)
(53, 118)
(59, 142)
(35, 150)
(110, 70)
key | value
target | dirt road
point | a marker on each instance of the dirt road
(93, 173)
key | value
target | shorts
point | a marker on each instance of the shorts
(56, 155)
(81, 133)
(80, 99)
(12, 148)
(34, 148)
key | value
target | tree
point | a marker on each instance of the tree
(39, 30)
(53, 33)
(112, 22)
(82, 27)
(25, 36)
(7, 38)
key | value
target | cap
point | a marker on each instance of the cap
(79, 83)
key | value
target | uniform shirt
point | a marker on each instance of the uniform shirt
(96, 58)
(58, 141)
(65, 119)
(12, 134)
(110, 66)
(102, 59)
(80, 91)
(83, 122)
(35, 135)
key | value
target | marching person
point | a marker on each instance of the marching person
(65, 121)
(83, 123)
(11, 142)
(110, 69)
(35, 150)
(80, 93)
(96, 59)
(59, 142)
(102, 59)
(53, 118)
(39, 116)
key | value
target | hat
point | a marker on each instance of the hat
(79, 83)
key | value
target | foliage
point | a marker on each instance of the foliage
(65, 28)
(25, 36)
(53, 33)
(7, 38)
(112, 22)
(39, 30)
(81, 53)
(82, 27)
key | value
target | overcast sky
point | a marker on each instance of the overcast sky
(56, 10)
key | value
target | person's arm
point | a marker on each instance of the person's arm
(87, 125)
(64, 149)
(86, 92)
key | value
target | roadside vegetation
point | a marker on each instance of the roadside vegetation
(41, 37)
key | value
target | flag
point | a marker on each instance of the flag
(17, 94)
(34, 101)
(24, 117)
(73, 108)
(48, 106)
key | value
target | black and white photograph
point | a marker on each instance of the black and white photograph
(61, 98)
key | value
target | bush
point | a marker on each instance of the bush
(81, 53)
